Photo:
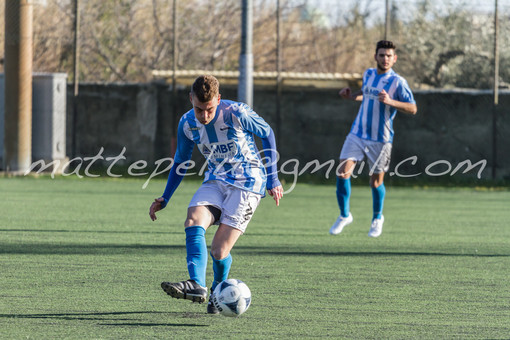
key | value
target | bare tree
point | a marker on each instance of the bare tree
(125, 40)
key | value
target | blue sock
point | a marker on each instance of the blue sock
(221, 269)
(343, 193)
(378, 200)
(196, 250)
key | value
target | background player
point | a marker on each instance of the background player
(383, 93)
(234, 183)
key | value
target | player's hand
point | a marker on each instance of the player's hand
(276, 193)
(155, 206)
(345, 93)
(384, 97)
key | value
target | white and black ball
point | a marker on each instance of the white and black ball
(232, 297)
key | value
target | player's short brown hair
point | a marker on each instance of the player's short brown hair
(206, 88)
(385, 44)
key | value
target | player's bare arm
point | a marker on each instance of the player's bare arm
(408, 108)
(346, 93)
(155, 207)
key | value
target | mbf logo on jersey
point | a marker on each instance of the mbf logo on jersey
(219, 150)
(371, 92)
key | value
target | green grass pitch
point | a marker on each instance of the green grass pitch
(80, 259)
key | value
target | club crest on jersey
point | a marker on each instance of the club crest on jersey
(219, 150)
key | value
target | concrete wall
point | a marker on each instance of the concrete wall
(451, 126)
(114, 117)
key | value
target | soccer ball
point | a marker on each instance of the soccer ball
(232, 297)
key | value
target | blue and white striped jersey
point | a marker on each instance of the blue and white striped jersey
(228, 145)
(375, 119)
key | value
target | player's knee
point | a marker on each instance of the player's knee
(195, 217)
(344, 175)
(190, 222)
(219, 253)
(345, 168)
(375, 183)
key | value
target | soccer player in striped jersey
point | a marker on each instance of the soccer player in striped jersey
(382, 94)
(235, 181)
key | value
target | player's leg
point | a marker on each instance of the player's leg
(222, 244)
(237, 211)
(198, 220)
(343, 195)
(202, 213)
(350, 154)
(378, 193)
(379, 166)
(343, 186)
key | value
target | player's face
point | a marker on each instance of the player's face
(385, 58)
(204, 112)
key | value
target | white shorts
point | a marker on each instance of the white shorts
(378, 154)
(236, 205)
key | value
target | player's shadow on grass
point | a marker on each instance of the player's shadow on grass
(33, 248)
(107, 316)
(90, 231)
(112, 249)
(253, 251)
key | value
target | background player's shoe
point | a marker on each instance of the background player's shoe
(189, 290)
(211, 308)
(376, 228)
(340, 223)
